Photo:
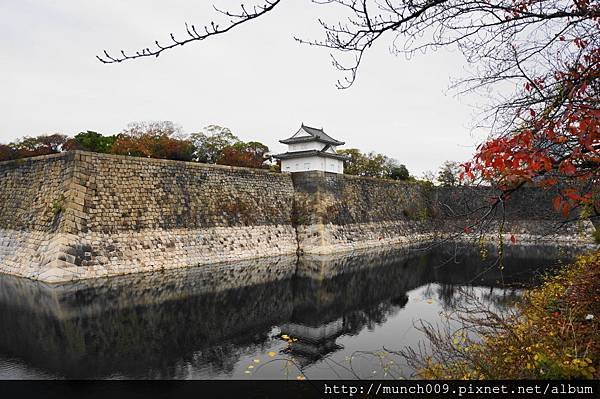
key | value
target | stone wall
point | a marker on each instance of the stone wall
(528, 214)
(34, 195)
(81, 215)
(341, 212)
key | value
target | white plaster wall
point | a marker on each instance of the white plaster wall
(334, 165)
(311, 145)
(306, 164)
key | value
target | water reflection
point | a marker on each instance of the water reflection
(207, 322)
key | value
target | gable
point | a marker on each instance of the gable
(301, 133)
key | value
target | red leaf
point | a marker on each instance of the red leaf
(566, 208)
(568, 168)
(513, 239)
(556, 202)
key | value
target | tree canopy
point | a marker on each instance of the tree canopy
(211, 142)
(33, 146)
(449, 174)
(373, 164)
(153, 139)
(250, 155)
(91, 141)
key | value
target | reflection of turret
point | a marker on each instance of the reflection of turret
(312, 343)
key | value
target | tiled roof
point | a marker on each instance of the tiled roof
(310, 153)
(315, 134)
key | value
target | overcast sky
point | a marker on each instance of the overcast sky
(256, 80)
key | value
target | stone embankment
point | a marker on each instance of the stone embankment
(80, 215)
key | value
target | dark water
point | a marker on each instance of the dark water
(227, 321)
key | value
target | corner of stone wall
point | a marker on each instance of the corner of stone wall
(59, 259)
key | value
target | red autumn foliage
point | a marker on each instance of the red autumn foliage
(33, 146)
(153, 146)
(153, 140)
(249, 155)
(557, 141)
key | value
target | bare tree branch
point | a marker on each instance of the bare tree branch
(213, 29)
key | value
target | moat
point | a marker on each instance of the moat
(232, 321)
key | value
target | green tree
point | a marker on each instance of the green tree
(449, 174)
(377, 165)
(399, 173)
(356, 163)
(91, 141)
(373, 165)
(211, 142)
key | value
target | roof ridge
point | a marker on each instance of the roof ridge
(314, 128)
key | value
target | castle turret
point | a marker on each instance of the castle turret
(311, 149)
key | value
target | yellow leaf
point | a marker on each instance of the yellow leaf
(285, 336)
(256, 360)
(271, 354)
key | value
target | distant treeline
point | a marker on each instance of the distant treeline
(162, 139)
(165, 140)
(373, 164)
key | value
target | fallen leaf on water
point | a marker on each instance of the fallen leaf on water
(256, 360)
(271, 354)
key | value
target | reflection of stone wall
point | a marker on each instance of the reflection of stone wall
(152, 325)
(213, 327)
(92, 296)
